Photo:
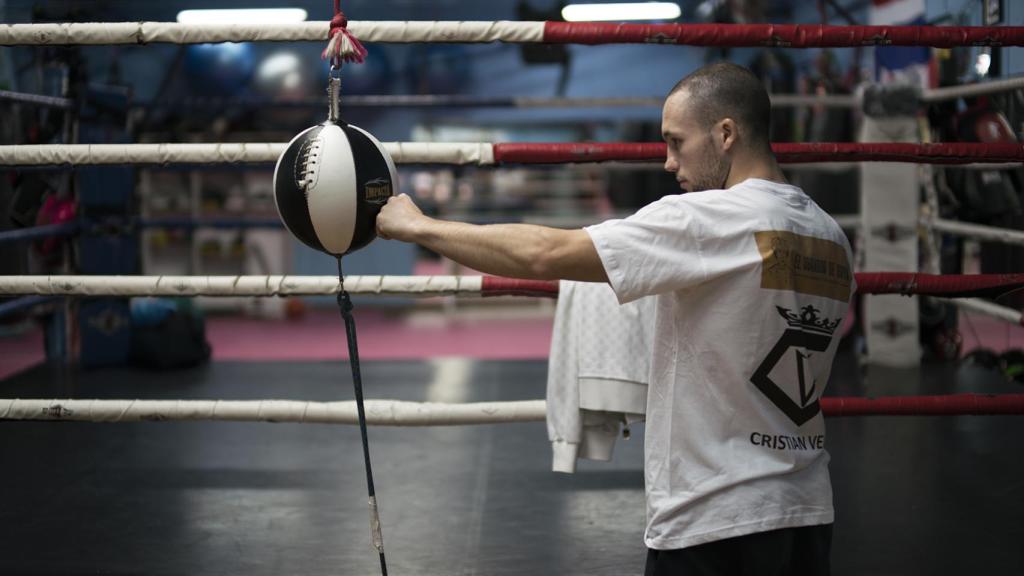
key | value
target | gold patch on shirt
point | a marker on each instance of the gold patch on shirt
(804, 264)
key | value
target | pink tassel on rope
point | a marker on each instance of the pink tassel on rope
(343, 46)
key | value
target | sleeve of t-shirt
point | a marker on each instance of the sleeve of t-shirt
(656, 250)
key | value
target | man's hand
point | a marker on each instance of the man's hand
(399, 219)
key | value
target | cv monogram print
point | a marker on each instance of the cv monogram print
(807, 333)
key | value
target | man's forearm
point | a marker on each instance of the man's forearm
(514, 250)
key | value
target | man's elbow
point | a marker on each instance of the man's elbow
(572, 260)
(545, 257)
(544, 265)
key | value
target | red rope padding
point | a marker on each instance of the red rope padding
(498, 286)
(906, 283)
(948, 405)
(947, 285)
(944, 153)
(785, 35)
(534, 153)
(941, 153)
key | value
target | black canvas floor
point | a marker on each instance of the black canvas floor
(920, 495)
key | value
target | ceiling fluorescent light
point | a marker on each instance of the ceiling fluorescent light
(621, 11)
(243, 16)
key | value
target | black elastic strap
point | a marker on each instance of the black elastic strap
(345, 304)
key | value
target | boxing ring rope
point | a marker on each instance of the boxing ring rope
(401, 413)
(846, 166)
(968, 90)
(38, 99)
(101, 227)
(735, 35)
(988, 309)
(24, 303)
(255, 285)
(468, 100)
(486, 154)
(991, 233)
(905, 283)
(37, 232)
(474, 101)
(378, 412)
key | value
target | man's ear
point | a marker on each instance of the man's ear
(727, 133)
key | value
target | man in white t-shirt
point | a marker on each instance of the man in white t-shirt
(751, 281)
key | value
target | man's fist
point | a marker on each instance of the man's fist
(399, 219)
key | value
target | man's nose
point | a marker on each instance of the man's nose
(670, 164)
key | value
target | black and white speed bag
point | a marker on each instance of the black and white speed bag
(330, 184)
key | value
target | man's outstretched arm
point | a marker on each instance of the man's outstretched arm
(513, 250)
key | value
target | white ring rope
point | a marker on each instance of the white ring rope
(378, 412)
(778, 100)
(240, 285)
(977, 89)
(836, 167)
(480, 153)
(827, 100)
(39, 99)
(987, 308)
(173, 32)
(979, 231)
(996, 166)
(427, 100)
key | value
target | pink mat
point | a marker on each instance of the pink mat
(383, 335)
(320, 335)
(992, 333)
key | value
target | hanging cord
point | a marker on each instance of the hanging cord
(345, 305)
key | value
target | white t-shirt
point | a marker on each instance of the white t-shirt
(752, 284)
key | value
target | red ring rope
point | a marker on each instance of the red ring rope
(945, 285)
(906, 283)
(944, 153)
(498, 286)
(785, 35)
(947, 405)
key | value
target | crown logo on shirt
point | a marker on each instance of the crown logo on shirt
(808, 320)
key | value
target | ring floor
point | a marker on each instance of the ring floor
(914, 495)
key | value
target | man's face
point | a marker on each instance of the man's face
(694, 152)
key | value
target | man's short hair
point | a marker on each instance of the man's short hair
(727, 90)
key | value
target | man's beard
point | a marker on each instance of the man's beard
(713, 169)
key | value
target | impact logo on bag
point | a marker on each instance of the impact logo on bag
(786, 375)
(377, 191)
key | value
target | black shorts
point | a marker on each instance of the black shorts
(787, 552)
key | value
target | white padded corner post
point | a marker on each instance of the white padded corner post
(890, 205)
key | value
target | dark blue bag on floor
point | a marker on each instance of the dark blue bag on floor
(167, 335)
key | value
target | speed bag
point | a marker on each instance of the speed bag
(329, 185)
